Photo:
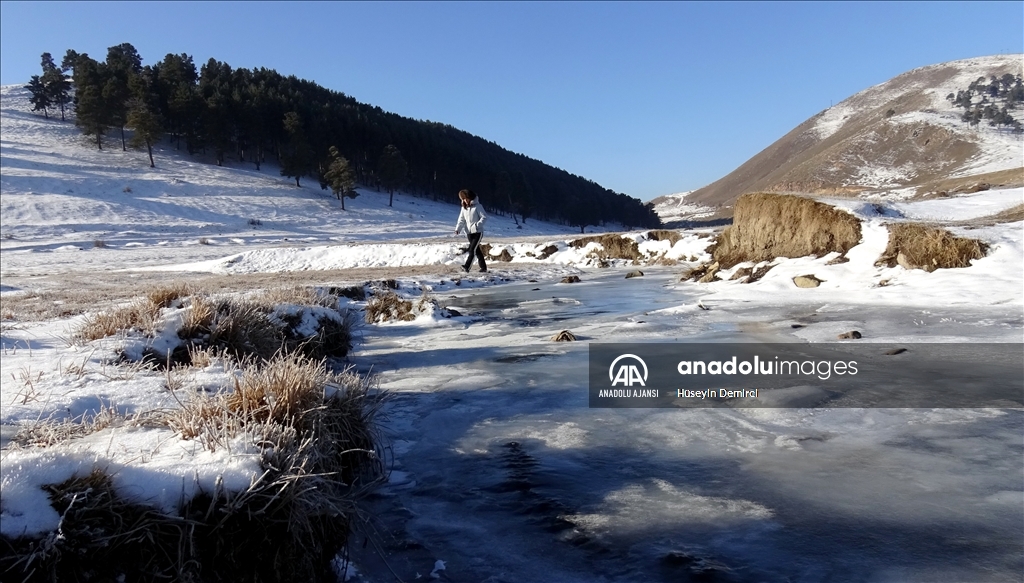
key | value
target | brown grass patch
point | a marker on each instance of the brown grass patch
(921, 246)
(243, 330)
(388, 307)
(240, 329)
(614, 246)
(766, 226)
(299, 295)
(564, 336)
(139, 315)
(165, 296)
(319, 455)
(48, 432)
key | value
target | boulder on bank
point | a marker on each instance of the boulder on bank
(807, 281)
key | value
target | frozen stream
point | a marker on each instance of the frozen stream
(502, 471)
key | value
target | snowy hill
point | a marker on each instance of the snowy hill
(897, 139)
(64, 197)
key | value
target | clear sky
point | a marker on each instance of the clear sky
(643, 98)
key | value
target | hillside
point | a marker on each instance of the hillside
(61, 195)
(258, 116)
(901, 138)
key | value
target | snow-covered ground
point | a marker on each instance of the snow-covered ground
(501, 471)
(675, 207)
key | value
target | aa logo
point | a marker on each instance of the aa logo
(627, 373)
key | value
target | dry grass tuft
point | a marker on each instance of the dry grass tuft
(564, 336)
(353, 292)
(283, 390)
(244, 330)
(139, 315)
(319, 454)
(48, 432)
(332, 339)
(298, 295)
(239, 329)
(766, 226)
(165, 296)
(388, 307)
(920, 246)
(614, 246)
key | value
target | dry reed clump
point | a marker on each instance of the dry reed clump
(766, 226)
(352, 292)
(241, 329)
(48, 432)
(320, 454)
(140, 315)
(302, 296)
(388, 307)
(165, 296)
(920, 246)
(47, 305)
(614, 246)
(333, 338)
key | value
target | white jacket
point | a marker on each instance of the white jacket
(471, 219)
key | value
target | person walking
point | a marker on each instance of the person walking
(471, 219)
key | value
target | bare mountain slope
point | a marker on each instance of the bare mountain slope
(901, 137)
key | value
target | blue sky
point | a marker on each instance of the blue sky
(643, 98)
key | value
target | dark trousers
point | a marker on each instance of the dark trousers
(474, 249)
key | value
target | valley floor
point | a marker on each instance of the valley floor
(502, 471)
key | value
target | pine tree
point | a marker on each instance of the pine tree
(69, 60)
(58, 88)
(298, 161)
(523, 195)
(123, 61)
(340, 178)
(393, 170)
(91, 111)
(504, 190)
(55, 84)
(143, 117)
(39, 97)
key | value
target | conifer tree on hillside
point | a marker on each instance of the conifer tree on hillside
(340, 178)
(298, 160)
(504, 189)
(174, 86)
(69, 60)
(91, 111)
(143, 115)
(123, 62)
(56, 84)
(523, 195)
(218, 112)
(392, 170)
(38, 96)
